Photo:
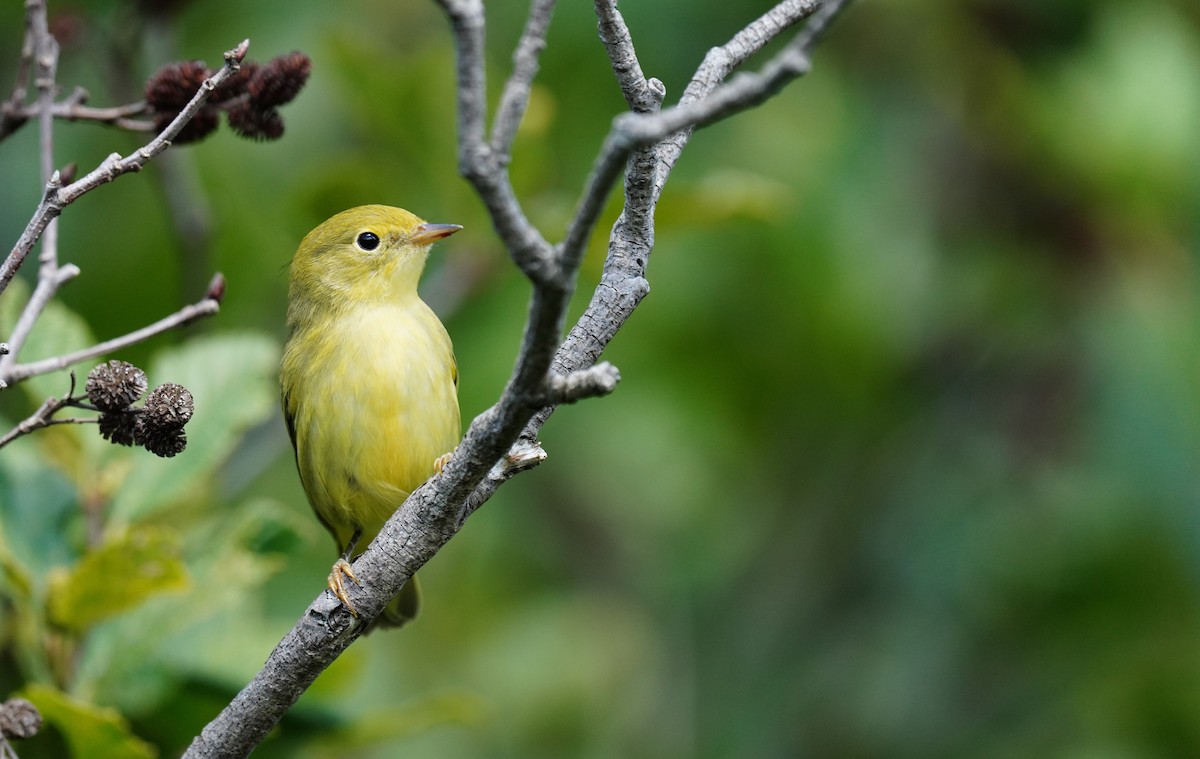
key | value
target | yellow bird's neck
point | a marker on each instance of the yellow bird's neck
(317, 301)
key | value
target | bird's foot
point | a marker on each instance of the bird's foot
(337, 583)
(441, 461)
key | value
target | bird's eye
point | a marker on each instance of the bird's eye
(368, 241)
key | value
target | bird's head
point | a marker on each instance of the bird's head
(366, 255)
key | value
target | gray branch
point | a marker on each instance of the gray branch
(642, 95)
(73, 109)
(515, 99)
(44, 417)
(502, 441)
(206, 306)
(57, 196)
(592, 382)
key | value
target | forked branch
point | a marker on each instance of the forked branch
(502, 441)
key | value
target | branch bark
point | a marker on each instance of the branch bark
(501, 441)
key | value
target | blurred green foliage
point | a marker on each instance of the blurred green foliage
(904, 463)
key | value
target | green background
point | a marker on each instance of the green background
(904, 458)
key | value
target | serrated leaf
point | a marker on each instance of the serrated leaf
(233, 380)
(117, 576)
(91, 731)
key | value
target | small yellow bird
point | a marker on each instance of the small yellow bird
(368, 379)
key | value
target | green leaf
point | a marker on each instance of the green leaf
(115, 577)
(216, 631)
(37, 505)
(233, 380)
(16, 581)
(58, 330)
(372, 726)
(92, 731)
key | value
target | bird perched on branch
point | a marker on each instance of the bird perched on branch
(368, 379)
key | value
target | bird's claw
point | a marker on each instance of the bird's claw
(337, 583)
(441, 461)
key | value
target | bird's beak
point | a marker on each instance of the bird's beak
(430, 233)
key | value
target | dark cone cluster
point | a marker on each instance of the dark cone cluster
(175, 85)
(280, 80)
(254, 123)
(157, 426)
(168, 405)
(250, 99)
(117, 426)
(115, 386)
(171, 89)
(160, 441)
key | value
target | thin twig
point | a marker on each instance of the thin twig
(50, 276)
(590, 382)
(720, 62)
(207, 306)
(57, 196)
(701, 104)
(643, 95)
(477, 161)
(71, 110)
(45, 78)
(43, 417)
(43, 293)
(519, 86)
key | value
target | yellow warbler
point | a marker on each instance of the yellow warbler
(368, 378)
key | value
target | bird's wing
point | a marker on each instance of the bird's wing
(289, 418)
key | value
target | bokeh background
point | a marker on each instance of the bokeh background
(904, 462)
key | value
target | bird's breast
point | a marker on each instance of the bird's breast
(373, 403)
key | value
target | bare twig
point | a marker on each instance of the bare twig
(206, 306)
(44, 416)
(73, 109)
(517, 89)
(502, 441)
(591, 382)
(50, 276)
(45, 78)
(642, 95)
(477, 161)
(57, 196)
(705, 101)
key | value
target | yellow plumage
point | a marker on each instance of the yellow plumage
(368, 377)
